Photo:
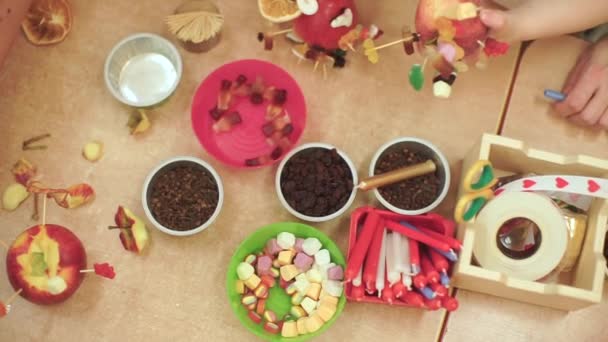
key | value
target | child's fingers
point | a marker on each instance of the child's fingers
(596, 107)
(582, 91)
(575, 73)
(604, 120)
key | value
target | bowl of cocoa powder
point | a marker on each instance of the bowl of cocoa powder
(182, 196)
(417, 195)
(316, 182)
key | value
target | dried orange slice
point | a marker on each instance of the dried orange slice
(47, 22)
(279, 11)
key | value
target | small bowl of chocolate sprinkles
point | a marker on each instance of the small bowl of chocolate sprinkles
(417, 195)
(316, 182)
(182, 196)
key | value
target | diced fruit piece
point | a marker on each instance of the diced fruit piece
(286, 240)
(326, 312)
(261, 291)
(250, 259)
(299, 242)
(314, 323)
(297, 298)
(285, 257)
(260, 307)
(333, 288)
(290, 329)
(302, 285)
(253, 282)
(289, 272)
(270, 316)
(322, 257)
(268, 280)
(13, 196)
(263, 265)
(93, 151)
(314, 276)
(311, 246)
(272, 328)
(216, 113)
(275, 272)
(329, 300)
(255, 317)
(303, 261)
(314, 291)
(23, 171)
(297, 311)
(240, 286)
(301, 324)
(272, 247)
(278, 11)
(291, 289)
(335, 273)
(244, 270)
(249, 299)
(227, 122)
(133, 231)
(309, 305)
(138, 121)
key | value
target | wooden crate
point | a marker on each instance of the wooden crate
(583, 285)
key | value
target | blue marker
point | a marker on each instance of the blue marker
(555, 95)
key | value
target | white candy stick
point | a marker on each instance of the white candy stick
(392, 274)
(407, 268)
(398, 256)
(381, 266)
(357, 280)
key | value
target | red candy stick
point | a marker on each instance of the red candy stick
(399, 290)
(418, 236)
(414, 256)
(414, 299)
(433, 304)
(439, 261)
(357, 293)
(364, 239)
(373, 255)
(428, 269)
(450, 303)
(420, 281)
(453, 243)
(387, 293)
(440, 290)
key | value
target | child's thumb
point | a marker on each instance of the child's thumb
(493, 19)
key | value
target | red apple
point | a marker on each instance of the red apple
(316, 29)
(468, 31)
(45, 262)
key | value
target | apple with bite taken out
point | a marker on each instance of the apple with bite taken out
(45, 262)
(467, 31)
(332, 20)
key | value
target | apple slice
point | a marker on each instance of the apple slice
(133, 231)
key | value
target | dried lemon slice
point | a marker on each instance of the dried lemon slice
(47, 22)
(279, 11)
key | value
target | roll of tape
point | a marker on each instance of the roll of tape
(534, 207)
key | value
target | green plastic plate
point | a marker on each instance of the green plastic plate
(278, 301)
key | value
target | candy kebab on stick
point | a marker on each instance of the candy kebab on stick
(5, 307)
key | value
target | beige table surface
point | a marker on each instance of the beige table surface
(545, 64)
(176, 290)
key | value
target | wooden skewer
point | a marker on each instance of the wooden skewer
(482, 44)
(44, 209)
(89, 270)
(272, 34)
(4, 244)
(13, 297)
(402, 40)
(35, 215)
(351, 47)
(314, 69)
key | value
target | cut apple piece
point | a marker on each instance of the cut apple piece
(23, 171)
(133, 231)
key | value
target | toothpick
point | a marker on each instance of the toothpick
(4, 244)
(90, 270)
(402, 40)
(324, 71)
(35, 215)
(314, 69)
(44, 210)
(482, 44)
(424, 63)
(272, 34)
(26, 144)
(351, 47)
(12, 297)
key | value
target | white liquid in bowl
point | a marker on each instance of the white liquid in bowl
(147, 78)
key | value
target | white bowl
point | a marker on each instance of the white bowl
(415, 144)
(143, 70)
(299, 215)
(220, 200)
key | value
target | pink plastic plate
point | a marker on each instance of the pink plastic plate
(245, 141)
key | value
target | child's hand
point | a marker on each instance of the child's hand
(587, 88)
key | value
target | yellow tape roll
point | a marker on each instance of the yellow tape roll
(534, 207)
